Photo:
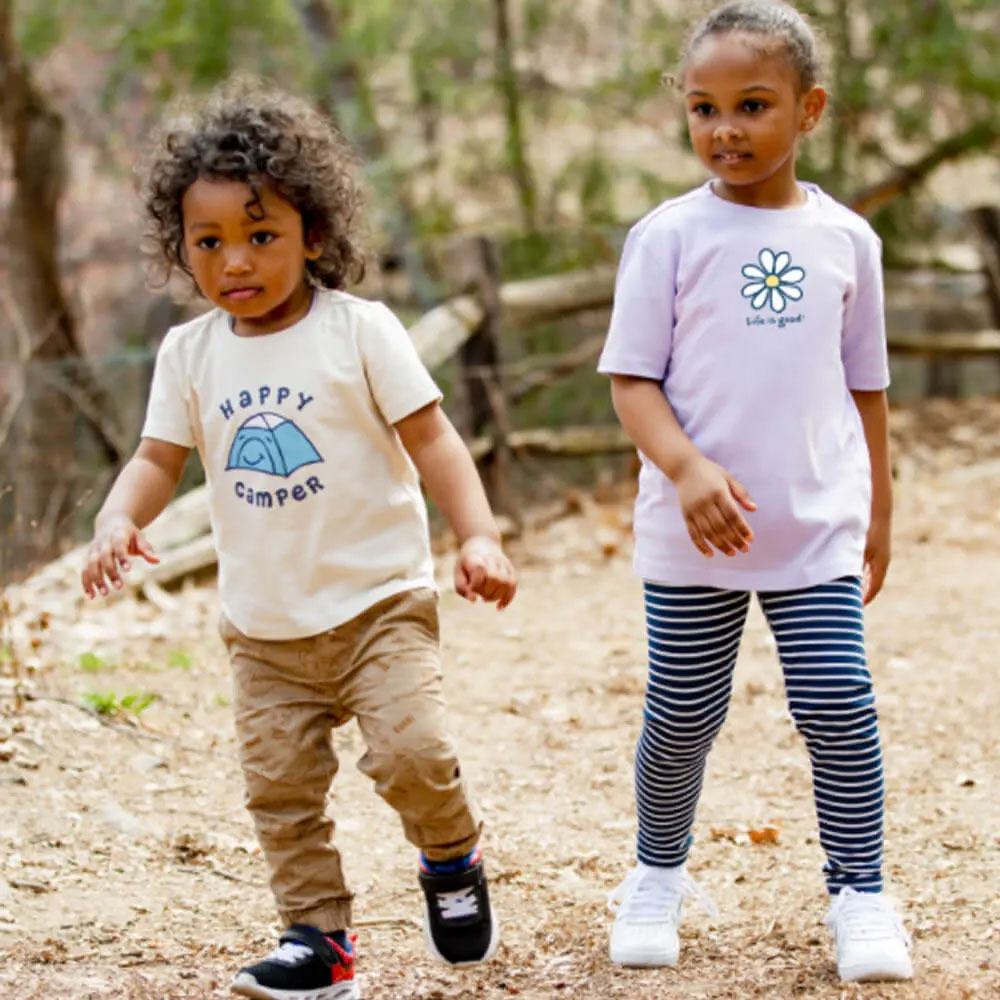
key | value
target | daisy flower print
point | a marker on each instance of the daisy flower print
(773, 281)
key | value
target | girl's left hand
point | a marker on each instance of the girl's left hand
(484, 571)
(877, 555)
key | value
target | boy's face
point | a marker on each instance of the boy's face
(745, 113)
(247, 255)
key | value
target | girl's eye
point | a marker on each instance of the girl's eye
(261, 238)
(208, 243)
(754, 106)
(702, 110)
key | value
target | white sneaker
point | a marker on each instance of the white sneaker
(647, 908)
(869, 937)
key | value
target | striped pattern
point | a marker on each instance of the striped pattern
(694, 634)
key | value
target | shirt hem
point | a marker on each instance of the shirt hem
(747, 580)
(307, 629)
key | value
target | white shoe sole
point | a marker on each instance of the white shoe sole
(246, 986)
(871, 973)
(643, 959)
(491, 949)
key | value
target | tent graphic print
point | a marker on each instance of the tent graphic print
(271, 443)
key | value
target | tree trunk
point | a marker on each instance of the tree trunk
(351, 104)
(506, 76)
(42, 360)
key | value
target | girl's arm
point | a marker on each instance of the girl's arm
(450, 475)
(874, 410)
(709, 497)
(143, 488)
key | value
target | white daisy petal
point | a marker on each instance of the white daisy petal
(760, 298)
(766, 258)
(752, 289)
(793, 275)
(791, 292)
(781, 262)
(777, 300)
(754, 272)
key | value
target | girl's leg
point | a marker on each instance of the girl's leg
(693, 635)
(820, 636)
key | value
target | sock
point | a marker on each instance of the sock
(451, 865)
(341, 939)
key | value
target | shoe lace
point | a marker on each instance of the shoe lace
(866, 915)
(646, 896)
(290, 953)
(458, 903)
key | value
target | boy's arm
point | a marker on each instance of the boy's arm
(874, 410)
(142, 489)
(710, 498)
(450, 475)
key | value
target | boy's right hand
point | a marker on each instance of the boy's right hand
(710, 500)
(115, 540)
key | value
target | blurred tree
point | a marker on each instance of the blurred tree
(914, 85)
(48, 382)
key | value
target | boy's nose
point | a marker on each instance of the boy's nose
(237, 263)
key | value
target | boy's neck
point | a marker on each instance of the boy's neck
(284, 315)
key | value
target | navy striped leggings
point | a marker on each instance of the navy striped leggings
(694, 634)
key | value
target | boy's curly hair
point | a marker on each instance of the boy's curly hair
(246, 131)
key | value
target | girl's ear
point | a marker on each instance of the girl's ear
(813, 103)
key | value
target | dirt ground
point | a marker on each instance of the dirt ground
(128, 868)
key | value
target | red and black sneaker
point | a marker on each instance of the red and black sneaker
(306, 965)
(459, 927)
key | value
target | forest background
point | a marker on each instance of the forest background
(523, 136)
(542, 125)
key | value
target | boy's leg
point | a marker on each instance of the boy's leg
(284, 710)
(821, 644)
(394, 689)
(820, 636)
(693, 636)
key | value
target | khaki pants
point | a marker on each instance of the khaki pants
(382, 668)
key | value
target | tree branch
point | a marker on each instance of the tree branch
(978, 137)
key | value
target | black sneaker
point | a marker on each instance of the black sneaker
(458, 922)
(306, 965)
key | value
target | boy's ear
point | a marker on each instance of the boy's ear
(813, 103)
(313, 239)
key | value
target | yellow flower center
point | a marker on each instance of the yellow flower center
(772, 281)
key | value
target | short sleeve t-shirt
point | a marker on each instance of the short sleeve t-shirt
(316, 508)
(758, 323)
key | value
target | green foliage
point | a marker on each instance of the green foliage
(110, 704)
(178, 659)
(91, 663)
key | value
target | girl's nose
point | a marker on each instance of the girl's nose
(726, 132)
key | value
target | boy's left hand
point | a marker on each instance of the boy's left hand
(484, 571)
(877, 553)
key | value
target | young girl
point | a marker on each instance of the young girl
(313, 415)
(747, 358)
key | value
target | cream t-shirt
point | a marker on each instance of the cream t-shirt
(316, 508)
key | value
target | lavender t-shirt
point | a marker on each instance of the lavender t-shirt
(757, 323)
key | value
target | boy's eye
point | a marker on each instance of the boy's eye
(261, 238)
(754, 105)
(702, 110)
(208, 243)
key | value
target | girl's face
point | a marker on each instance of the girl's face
(247, 255)
(745, 113)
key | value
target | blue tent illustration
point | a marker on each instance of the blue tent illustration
(271, 443)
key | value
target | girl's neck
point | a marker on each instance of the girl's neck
(287, 313)
(781, 190)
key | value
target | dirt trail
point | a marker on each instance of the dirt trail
(128, 868)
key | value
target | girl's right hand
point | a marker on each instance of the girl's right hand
(108, 557)
(710, 500)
